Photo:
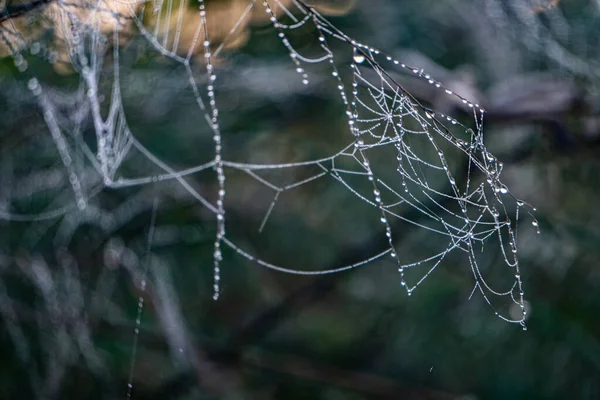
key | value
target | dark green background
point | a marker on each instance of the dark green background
(351, 335)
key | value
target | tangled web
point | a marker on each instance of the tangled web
(413, 173)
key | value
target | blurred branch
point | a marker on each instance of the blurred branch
(366, 383)
(15, 11)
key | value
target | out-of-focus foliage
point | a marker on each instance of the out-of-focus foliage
(69, 312)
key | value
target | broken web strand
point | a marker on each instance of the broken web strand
(212, 120)
(214, 123)
(140, 304)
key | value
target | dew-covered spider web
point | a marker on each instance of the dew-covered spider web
(421, 183)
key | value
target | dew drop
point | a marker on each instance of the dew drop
(35, 48)
(33, 84)
(358, 57)
(81, 204)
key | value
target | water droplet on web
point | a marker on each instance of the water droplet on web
(33, 84)
(358, 57)
(35, 48)
(18, 60)
(81, 204)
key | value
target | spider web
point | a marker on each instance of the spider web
(409, 172)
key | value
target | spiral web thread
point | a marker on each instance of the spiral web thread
(467, 207)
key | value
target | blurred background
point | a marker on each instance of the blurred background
(114, 298)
